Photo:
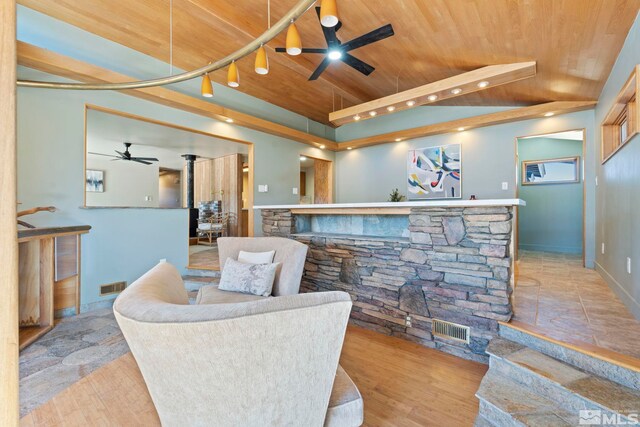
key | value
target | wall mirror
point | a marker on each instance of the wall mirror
(551, 171)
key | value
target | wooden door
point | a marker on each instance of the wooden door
(322, 181)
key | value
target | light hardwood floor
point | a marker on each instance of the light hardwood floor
(402, 383)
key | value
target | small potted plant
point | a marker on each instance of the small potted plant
(395, 196)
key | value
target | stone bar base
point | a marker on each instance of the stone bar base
(455, 266)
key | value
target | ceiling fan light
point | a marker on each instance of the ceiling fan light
(391, 108)
(335, 54)
(329, 13)
(233, 77)
(206, 89)
(262, 61)
(294, 42)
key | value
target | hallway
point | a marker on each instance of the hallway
(567, 302)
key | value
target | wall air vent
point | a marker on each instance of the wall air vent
(112, 288)
(453, 331)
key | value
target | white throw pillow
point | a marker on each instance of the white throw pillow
(256, 279)
(256, 257)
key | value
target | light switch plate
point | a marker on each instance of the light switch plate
(295, 190)
(602, 248)
(628, 265)
(505, 185)
(147, 198)
(263, 188)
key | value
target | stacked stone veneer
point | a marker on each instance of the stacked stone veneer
(455, 266)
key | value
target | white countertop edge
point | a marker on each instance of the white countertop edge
(414, 204)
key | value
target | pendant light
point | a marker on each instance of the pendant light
(206, 88)
(233, 77)
(294, 43)
(262, 62)
(329, 13)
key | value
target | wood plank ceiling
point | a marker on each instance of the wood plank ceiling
(575, 43)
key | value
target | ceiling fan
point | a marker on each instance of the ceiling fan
(127, 156)
(336, 50)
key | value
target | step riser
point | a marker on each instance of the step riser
(203, 273)
(544, 387)
(621, 375)
(496, 416)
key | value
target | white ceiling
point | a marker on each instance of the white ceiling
(107, 132)
(575, 135)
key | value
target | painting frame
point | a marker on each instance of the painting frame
(526, 163)
(94, 181)
(435, 173)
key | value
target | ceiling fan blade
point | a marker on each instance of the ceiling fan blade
(323, 66)
(100, 154)
(329, 33)
(121, 154)
(371, 37)
(148, 159)
(140, 161)
(359, 65)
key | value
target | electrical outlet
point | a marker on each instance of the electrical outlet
(596, 181)
(407, 321)
(163, 260)
(628, 265)
(602, 249)
(295, 190)
(505, 185)
(147, 198)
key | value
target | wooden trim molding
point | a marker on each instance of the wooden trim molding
(623, 112)
(64, 66)
(9, 339)
(514, 115)
(469, 82)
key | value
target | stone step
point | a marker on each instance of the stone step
(482, 422)
(504, 402)
(569, 387)
(622, 369)
(194, 283)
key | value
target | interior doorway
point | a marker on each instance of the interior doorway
(550, 173)
(316, 180)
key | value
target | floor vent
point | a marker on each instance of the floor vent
(112, 288)
(450, 330)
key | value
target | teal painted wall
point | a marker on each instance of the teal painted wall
(618, 191)
(552, 219)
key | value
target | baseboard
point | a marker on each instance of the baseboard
(546, 248)
(84, 308)
(620, 291)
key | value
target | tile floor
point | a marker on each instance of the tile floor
(571, 303)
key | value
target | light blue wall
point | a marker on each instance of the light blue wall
(488, 159)
(552, 219)
(124, 243)
(618, 191)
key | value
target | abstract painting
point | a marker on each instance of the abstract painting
(95, 181)
(434, 173)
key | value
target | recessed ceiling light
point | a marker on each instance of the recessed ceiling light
(322, 147)
(391, 108)
(483, 84)
(398, 139)
(456, 91)
(549, 114)
(432, 97)
(349, 148)
(460, 129)
(303, 158)
(373, 113)
(335, 54)
(228, 120)
(411, 103)
(356, 117)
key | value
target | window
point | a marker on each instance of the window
(621, 123)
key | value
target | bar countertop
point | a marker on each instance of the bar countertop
(411, 204)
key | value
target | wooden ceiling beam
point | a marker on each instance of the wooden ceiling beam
(60, 65)
(491, 119)
(466, 83)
